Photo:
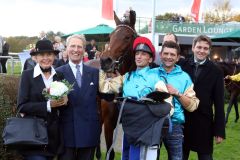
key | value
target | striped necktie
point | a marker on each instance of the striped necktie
(78, 76)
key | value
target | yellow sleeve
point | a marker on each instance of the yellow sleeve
(110, 85)
(194, 100)
(235, 77)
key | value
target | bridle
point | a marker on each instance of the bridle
(118, 63)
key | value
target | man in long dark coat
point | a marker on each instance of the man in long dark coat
(202, 125)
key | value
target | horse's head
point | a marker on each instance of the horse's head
(119, 53)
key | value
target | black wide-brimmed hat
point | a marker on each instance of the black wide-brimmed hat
(43, 46)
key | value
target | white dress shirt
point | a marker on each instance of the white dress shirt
(37, 71)
(74, 69)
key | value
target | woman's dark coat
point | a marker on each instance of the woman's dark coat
(32, 101)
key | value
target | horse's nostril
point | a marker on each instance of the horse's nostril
(106, 64)
(106, 60)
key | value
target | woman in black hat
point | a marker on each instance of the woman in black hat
(33, 103)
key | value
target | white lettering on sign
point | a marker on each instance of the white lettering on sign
(200, 29)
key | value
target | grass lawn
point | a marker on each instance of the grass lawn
(228, 150)
(17, 68)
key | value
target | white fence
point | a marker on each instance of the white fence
(12, 62)
(15, 58)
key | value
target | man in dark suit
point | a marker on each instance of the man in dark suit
(80, 120)
(202, 125)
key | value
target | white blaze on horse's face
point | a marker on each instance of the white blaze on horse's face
(201, 50)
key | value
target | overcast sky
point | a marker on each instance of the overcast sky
(29, 17)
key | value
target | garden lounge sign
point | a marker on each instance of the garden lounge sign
(195, 28)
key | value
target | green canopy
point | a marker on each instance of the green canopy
(98, 30)
(233, 36)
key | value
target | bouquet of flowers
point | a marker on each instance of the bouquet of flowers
(57, 90)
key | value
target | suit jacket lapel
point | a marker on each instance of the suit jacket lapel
(58, 76)
(86, 79)
(69, 76)
(204, 71)
(190, 69)
(39, 81)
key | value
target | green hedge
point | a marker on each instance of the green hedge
(8, 100)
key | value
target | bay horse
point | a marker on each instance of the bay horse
(232, 87)
(119, 55)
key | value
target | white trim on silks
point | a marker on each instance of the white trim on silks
(122, 146)
(148, 153)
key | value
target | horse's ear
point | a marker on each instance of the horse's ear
(116, 19)
(132, 18)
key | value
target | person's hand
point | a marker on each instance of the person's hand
(65, 98)
(172, 90)
(227, 77)
(60, 102)
(117, 73)
(112, 74)
(218, 139)
(98, 54)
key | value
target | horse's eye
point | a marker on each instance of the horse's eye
(127, 38)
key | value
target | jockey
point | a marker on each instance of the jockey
(136, 83)
(235, 77)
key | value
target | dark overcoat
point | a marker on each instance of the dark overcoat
(202, 125)
(33, 103)
(80, 121)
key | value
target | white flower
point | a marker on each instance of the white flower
(58, 88)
